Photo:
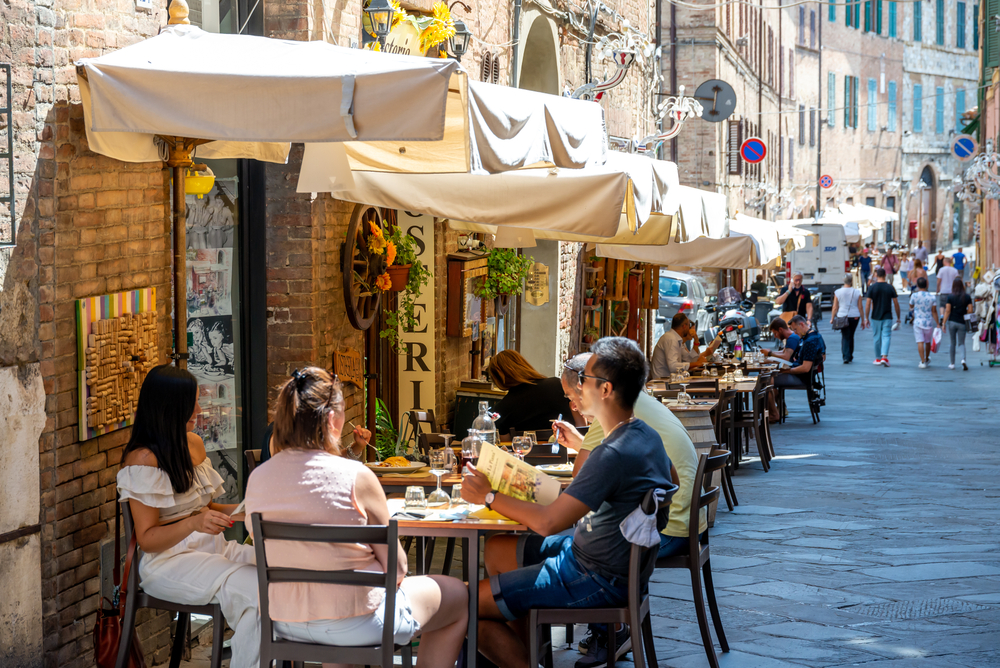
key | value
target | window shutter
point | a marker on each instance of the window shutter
(831, 98)
(939, 23)
(812, 28)
(802, 125)
(868, 16)
(918, 22)
(975, 27)
(854, 101)
(892, 107)
(833, 13)
(959, 110)
(960, 26)
(918, 108)
(939, 110)
(847, 101)
(812, 126)
(991, 38)
(892, 18)
(734, 141)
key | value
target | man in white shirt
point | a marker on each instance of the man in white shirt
(671, 353)
(945, 278)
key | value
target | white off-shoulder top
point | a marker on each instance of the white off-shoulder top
(151, 487)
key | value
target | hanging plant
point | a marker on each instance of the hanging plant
(506, 272)
(412, 275)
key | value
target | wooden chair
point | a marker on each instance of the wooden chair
(542, 434)
(272, 649)
(754, 422)
(723, 418)
(698, 558)
(815, 389)
(727, 482)
(635, 613)
(253, 458)
(703, 387)
(136, 598)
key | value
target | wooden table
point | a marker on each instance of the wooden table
(469, 531)
(697, 420)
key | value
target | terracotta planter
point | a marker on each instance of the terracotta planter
(399, 274)
(588, 301)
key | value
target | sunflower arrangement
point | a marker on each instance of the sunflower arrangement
(439, 28)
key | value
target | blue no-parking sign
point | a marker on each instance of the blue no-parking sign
(964, 147)
(753, 149)
(826, 181)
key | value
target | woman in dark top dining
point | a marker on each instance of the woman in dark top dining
(953, 321)
(532, 400)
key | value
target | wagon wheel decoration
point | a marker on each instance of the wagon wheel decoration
(361, 267)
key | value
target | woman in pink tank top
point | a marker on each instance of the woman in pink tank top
(307, 482)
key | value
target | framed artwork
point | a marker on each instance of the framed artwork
(117, 344)
(465, 307)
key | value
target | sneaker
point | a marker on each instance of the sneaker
(951, 366)
(965, 367)
(597, 649)
(922, 365)
(877, 362)
(884, 361)
(584, 645)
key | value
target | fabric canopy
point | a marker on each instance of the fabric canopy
(702, 214)
(793, 236)
(588, 204)
(748, 246)
(241, 91)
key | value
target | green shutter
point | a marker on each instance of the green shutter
(854, 102)
(868, 16)
(918, 22)
(847, 101)
(991, 38)
(878, 17)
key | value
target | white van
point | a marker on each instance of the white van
(824, 260)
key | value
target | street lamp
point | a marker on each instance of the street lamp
(380, 14)
(458, 44)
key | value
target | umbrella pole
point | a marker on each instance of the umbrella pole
(180, 158)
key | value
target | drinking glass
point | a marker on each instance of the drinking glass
(415, 498)
(683, 397)
(456, 495)
(440, 465)
(518, 445)
(530, 441)
(470, 452)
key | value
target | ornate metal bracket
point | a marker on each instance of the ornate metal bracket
(594, 91)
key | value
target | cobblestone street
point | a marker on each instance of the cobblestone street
(873, 539)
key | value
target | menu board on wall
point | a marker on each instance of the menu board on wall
(416, 365)
(211, 228)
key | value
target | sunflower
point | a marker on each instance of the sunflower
(390, 252)
(376, 242)
(399, 14)
(440, 29)
(383, 282)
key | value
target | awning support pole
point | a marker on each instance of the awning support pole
(180, 158)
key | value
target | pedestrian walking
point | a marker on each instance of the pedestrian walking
(879, 302)
(890, 262)
(846, 313)
(925, 317)
(905, 267)
(938, 263)
(916, 273)
(945, 280)
(865, 265)
(920, 253)
(958, 305)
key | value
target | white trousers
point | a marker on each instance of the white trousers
(204, 569)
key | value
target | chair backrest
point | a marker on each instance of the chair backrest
(703, 386)
(253, 458)
(426, 418)
(722, 414)
(130, 588)
(264, 531)
(642, 560)
(702, 497)
(427, 441)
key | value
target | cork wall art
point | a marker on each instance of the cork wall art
(117, 344)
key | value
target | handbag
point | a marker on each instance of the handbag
(840, 322)
(788, 315)
(108, 629)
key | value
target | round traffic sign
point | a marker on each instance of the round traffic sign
(718, 100)
(964, 147)
(826, 181)
(753, 149)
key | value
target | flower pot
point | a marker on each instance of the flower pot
(588, 338)
(399, 274)
(588, 301)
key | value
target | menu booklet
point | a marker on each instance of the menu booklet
(509, 475)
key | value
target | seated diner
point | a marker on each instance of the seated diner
(589, 568)
(308, 481)
(671, 353)
(532, 400)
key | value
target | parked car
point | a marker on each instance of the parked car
(680, 293)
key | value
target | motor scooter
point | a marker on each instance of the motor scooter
(733, 320)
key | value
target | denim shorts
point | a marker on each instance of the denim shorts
(360, 631)
(551, 577)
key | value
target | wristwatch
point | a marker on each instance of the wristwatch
(490, 498)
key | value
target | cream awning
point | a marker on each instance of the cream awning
(251, 96)
(793, 236)
(590, 204)
(491, 129)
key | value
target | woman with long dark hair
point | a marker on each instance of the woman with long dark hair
(169, 482)
(308, 481)
(958, 305)
(532, 401)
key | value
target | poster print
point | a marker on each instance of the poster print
(216, 423)
(211, 353)
(209, 282)
(211, 219)
(226, 463)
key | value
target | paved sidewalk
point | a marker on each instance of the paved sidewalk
(873, 540)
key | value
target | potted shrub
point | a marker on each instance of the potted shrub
(506, 272)
(590, 334)
(589, 299)
(411, 276)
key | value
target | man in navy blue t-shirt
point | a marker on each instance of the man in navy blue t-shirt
(590, 568)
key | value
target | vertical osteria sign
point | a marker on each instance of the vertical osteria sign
(416, 364)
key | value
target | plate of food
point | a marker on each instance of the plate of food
(395, 465)
(557, 469)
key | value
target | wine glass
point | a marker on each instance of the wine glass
(518, 445)
(683, 397)
(530, 441)
(439, 466)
